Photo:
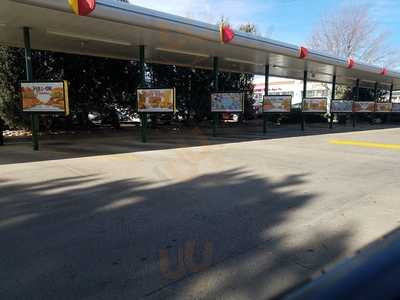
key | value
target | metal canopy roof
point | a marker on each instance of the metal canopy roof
(116, 30)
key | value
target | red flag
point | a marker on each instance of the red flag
(350, 63)
(226, 34)
(82, 7)
(384, 72)
(303, 52)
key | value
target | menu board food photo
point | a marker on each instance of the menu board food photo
(227, 102)
(156, 100)
(45, 97)
(277, 104)
(364, 107)
(315, 105)
(383, 107)
(396, 107)
(341, 106)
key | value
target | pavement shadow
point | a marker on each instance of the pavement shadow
(228, 235)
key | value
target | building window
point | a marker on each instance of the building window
(317, 93)
(281, 93)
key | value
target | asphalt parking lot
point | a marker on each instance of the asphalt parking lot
(187, 216)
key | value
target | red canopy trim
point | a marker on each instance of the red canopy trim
(303, 52)
(82, 7)
(226, 34)
(351, 63)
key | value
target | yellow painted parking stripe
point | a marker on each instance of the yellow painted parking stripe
(123, 157)
(366, 144)
(116, 157)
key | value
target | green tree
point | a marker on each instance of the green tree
(95, 83)
(11, 72)
(98, 84)
(246, 80)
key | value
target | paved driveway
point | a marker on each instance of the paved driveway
(199, 218)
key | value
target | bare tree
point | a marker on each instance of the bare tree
(352, 32)
(249, 28)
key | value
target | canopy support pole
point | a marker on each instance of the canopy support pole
(305, 77)
(332, 98)
(390, 101)
(1, 132)
(375, 100)
(142, 84)
(265, 116)
(29, 77)
(391, 93)
(357, 98)
(216, 89)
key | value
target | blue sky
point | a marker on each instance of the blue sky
(290, 21)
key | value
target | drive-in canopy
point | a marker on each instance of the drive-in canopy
(116, 30)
